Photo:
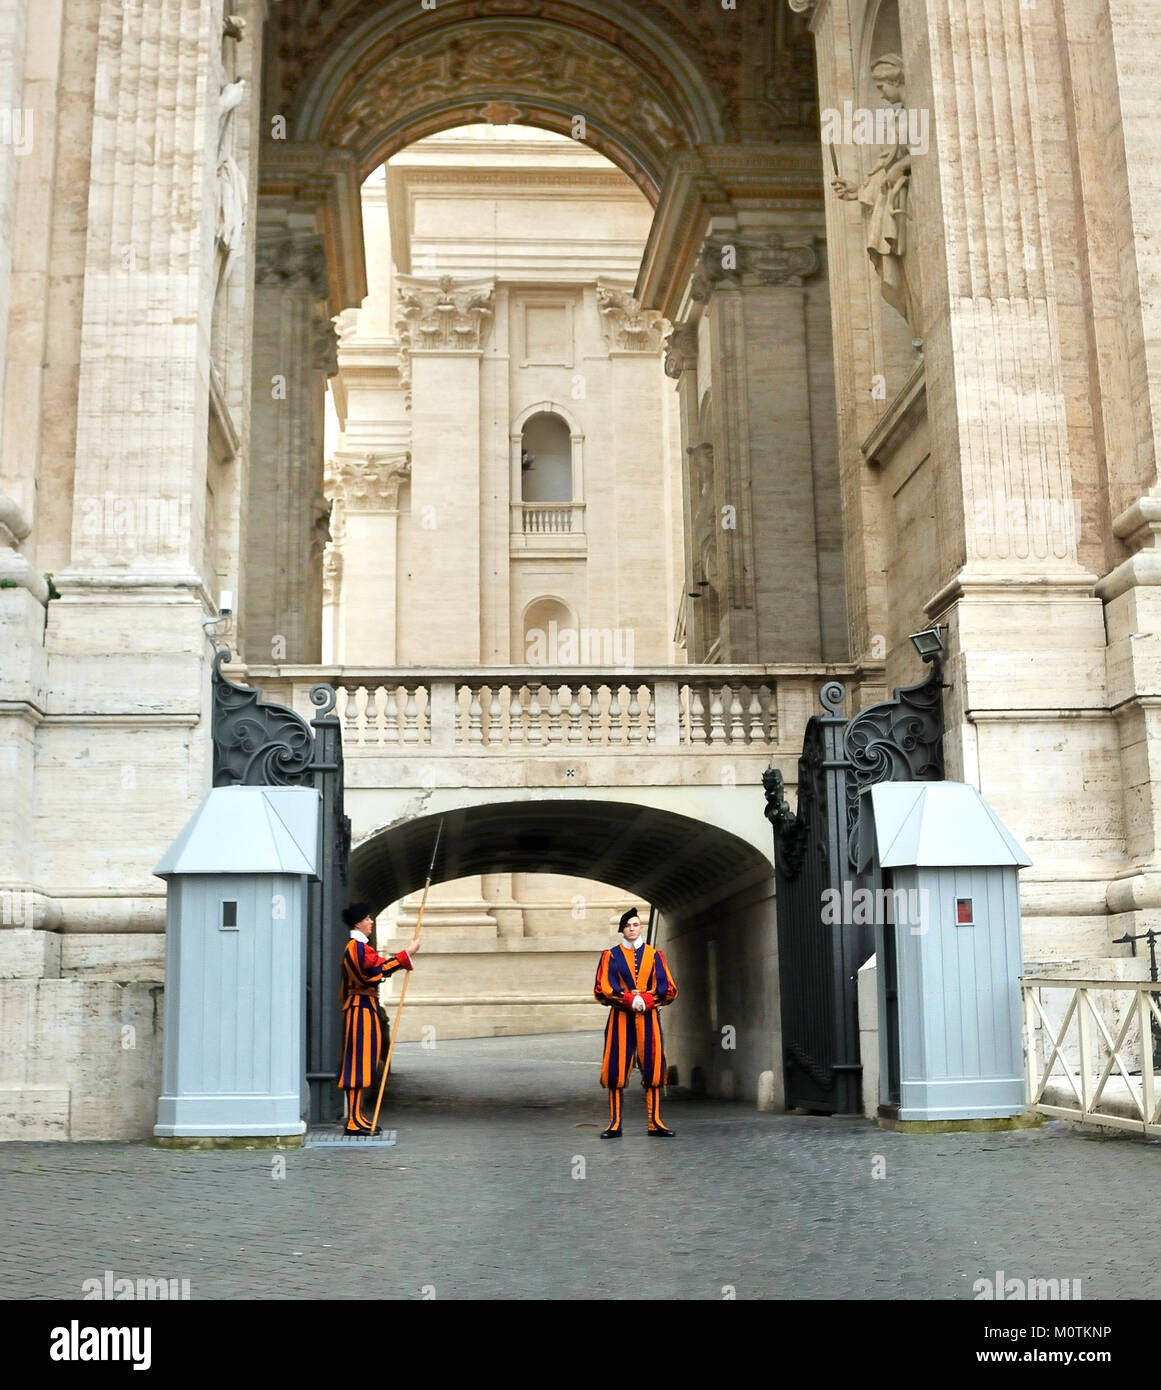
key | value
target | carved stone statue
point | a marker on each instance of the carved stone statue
(231, 180)
(886, 196)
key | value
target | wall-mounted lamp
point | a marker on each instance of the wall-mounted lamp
(929, 642)
(212, 626)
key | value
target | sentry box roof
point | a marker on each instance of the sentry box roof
(248, 830)
(936, 824)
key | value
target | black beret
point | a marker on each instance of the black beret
(354, 914)
(625, 917)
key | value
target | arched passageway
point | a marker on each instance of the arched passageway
(712, 887)
(713, 115)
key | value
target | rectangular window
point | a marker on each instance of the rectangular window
(963, 913)
(229, 915)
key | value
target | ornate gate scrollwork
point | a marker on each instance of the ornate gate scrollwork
(900, 740)
(258, 743)
(819, 952)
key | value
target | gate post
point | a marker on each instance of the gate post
(258, 743)
(825, 924)
(325, 934)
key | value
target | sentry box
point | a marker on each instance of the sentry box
(235, 950)
(948, 951)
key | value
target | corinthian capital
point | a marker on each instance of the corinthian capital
(367, 482)
(737, 259)
(628, 327)
(441, 316)
(291, 262)
(681, 350)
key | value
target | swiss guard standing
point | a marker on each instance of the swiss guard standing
(364, 1030)
(634, 982)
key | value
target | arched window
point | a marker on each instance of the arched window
(549, 634)
(546, 459)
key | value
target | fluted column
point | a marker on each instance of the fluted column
(633, 339)
(443, 327)
(1128, 44)
(139, 493)
(1027, 636)
(294, 354)
(17, 144)
(770, 457)
(364, 491)
(127, 678)
(681, 366)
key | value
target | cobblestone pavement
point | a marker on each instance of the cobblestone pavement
(499, 1186)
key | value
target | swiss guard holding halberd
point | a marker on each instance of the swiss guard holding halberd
(364, 1030)
(634, 983)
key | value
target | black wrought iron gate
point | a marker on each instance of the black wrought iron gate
(821, 941)
(258, 743)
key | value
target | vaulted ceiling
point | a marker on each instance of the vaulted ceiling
(674, 861)
(650, 78)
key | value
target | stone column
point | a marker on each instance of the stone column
(681, 366)
(751, 283)
(364, 490)
(1027, 636)
(16, 142)
(860, 371)
(443, 327)
(127, 654)
(294, 354)
(1123, 42)
(633, 338)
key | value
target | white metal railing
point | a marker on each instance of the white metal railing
(1091, 1054)
(542, 709)
(552, 518)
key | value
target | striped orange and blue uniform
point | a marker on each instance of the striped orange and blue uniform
(622, 973)
(363, 970)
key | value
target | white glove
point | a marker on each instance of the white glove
(638, 1004)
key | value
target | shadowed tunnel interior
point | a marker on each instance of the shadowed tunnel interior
(673, 861)
(712, 888)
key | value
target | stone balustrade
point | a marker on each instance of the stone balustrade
(552, 518)
(525, 708)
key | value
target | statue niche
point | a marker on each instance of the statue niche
(886, 196)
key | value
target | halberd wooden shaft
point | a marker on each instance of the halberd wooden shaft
(406, 979)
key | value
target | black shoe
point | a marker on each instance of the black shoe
(662, 1133)
(610, 1134)
(368, 1133)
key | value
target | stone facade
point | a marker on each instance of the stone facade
(914, 378)
(485, 312)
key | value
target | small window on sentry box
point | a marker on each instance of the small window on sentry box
(229, 914)
(963, 913)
